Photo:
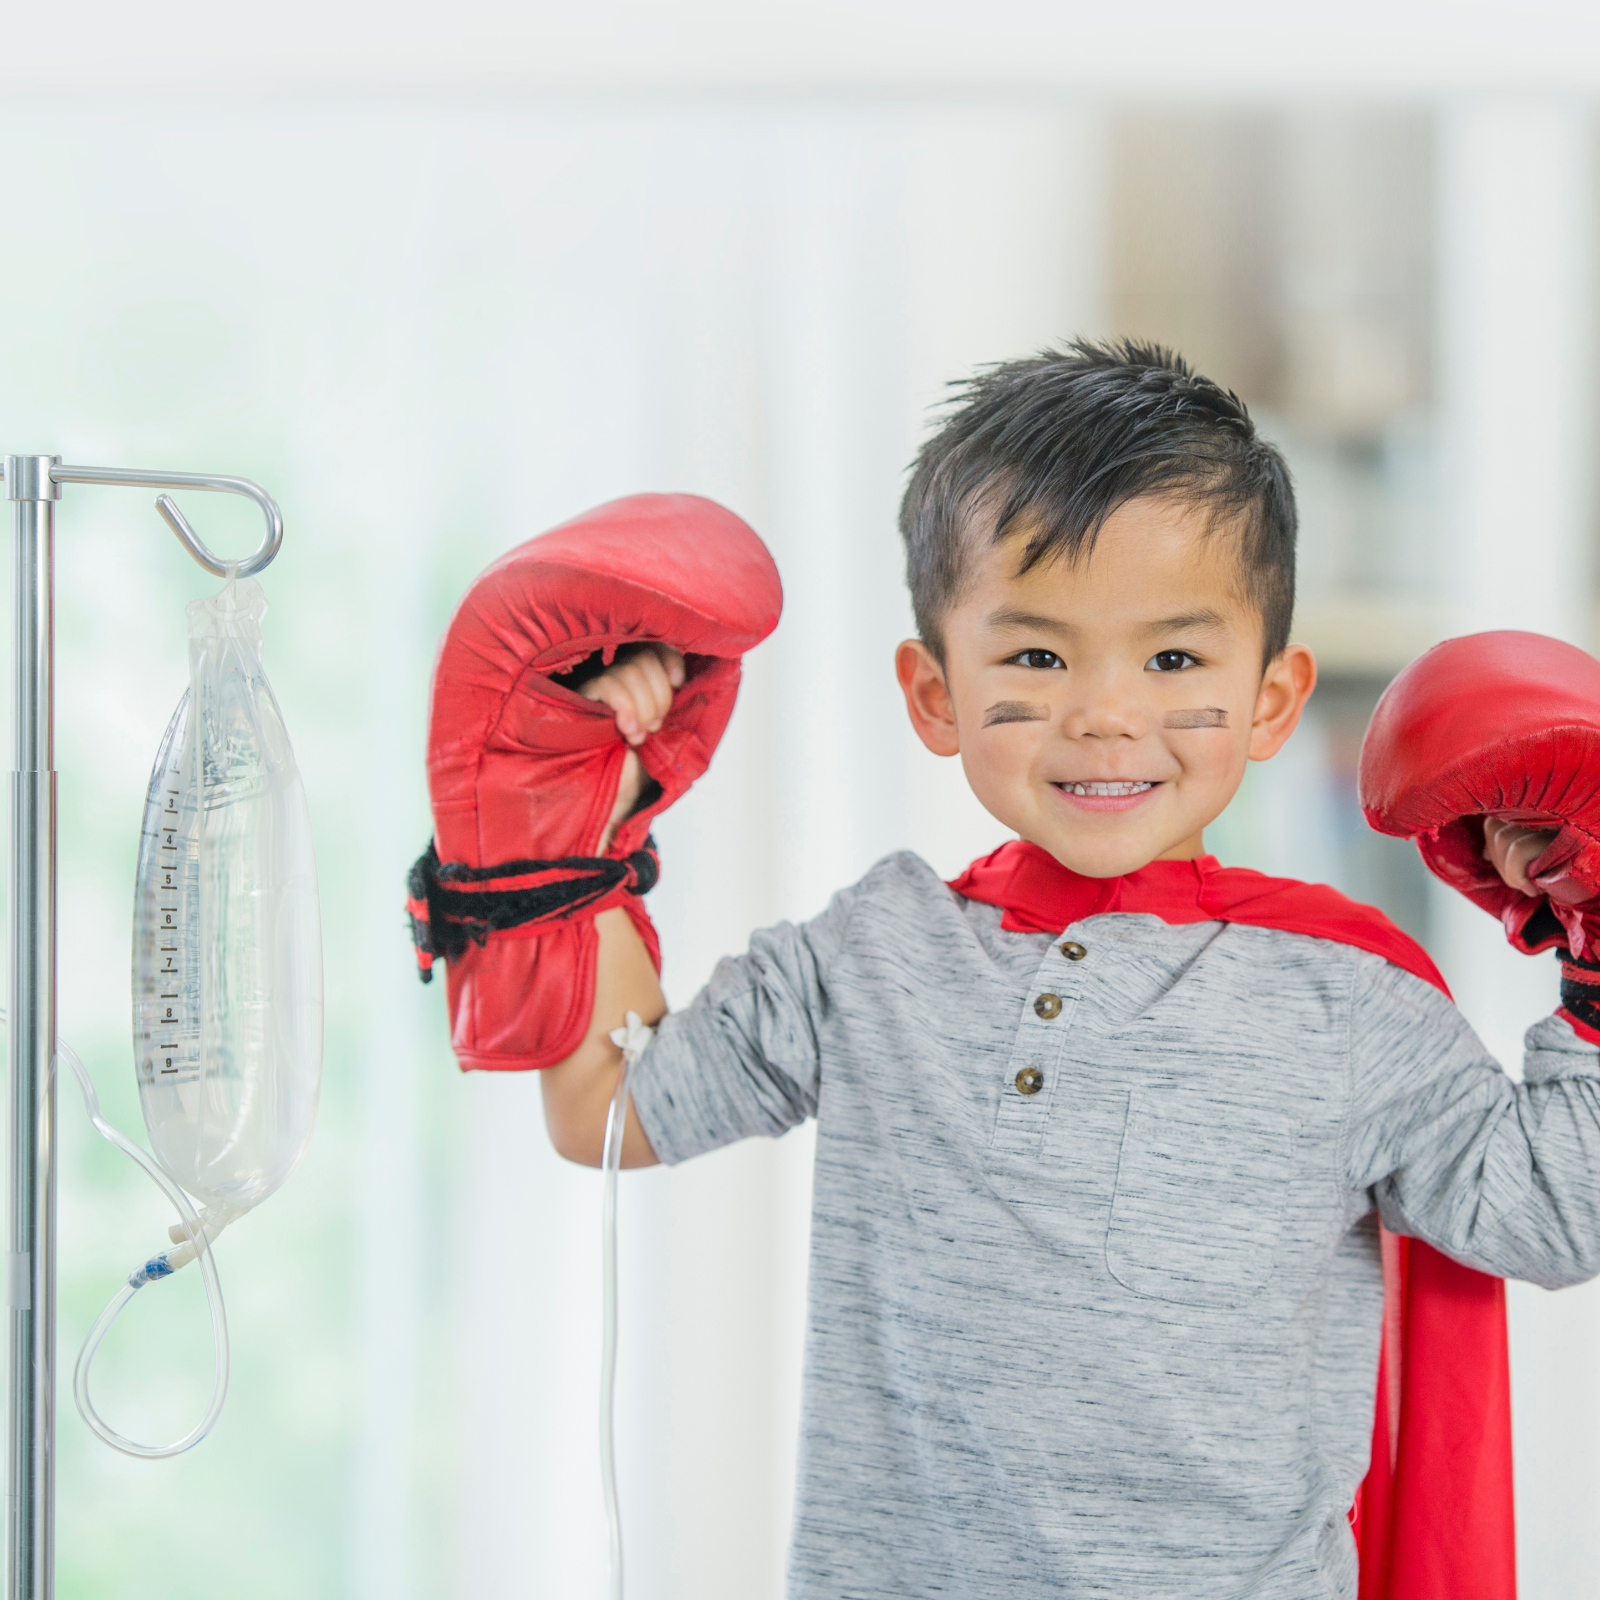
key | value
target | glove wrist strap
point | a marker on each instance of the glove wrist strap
(452, 905)
(1580, 988)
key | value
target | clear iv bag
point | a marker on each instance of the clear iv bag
(227, 953)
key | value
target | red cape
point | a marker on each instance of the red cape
(1433, 1519)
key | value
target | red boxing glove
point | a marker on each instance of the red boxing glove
(1497, 725)
(523, 771)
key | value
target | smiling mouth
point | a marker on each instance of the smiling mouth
(1089, 790)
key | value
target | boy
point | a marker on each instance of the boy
(1095, 1290)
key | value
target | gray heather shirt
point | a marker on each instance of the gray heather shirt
(1119, 1336)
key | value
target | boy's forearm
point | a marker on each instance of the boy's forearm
(577, 1093)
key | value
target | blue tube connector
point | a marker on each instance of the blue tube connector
(156, 1267)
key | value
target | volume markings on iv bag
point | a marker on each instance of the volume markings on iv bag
(168, 1016)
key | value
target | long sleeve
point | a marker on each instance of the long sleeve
(1504, 1177)
(745, 1058)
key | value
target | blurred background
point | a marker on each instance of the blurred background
(441, 279)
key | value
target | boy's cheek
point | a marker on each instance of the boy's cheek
(1002, 774)
(1211, 780)
(1212, 755)
(1001, 757)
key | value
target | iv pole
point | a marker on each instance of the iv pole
(33, 485)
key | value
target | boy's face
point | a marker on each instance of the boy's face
(1105, 710)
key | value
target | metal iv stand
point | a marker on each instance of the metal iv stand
(33, 485)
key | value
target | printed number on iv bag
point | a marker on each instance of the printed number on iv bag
(227, 957)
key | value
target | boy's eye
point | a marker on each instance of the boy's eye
(1170, 661)
(1040, 660)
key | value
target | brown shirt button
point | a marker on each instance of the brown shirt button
(1073, 951)
(1048, 1006)
(1030, 1080)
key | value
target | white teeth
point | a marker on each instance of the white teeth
(1106, 788)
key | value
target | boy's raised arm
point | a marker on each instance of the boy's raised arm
(1481, 751)
(577, 1092)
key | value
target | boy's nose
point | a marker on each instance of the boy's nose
(1104, 716)
(1104, 722)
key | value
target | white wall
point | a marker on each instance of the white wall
(1170, 48)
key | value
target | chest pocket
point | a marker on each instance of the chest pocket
(1200, 1197)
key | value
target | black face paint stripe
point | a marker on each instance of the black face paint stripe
(1014, 711)
(1201, 717)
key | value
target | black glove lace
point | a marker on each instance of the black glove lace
(452, 905)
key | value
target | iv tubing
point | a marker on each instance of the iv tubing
(611, 1161)
(197, 1236)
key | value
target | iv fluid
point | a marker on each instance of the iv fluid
(227, 973)
(227, 960)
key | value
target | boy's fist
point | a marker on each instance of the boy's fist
(1498, 725)
(1512, 847)
(638, 686)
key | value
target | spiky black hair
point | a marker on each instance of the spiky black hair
(1053, 445)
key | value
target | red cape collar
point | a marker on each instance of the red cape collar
(1433, 1517)
(1040, 895)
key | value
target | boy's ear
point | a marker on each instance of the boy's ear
(928, 701)
(1285, 687)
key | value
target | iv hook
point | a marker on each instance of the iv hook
(175, 519)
